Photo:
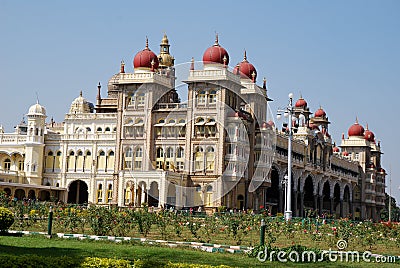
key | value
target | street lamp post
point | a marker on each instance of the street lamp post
(288, 112)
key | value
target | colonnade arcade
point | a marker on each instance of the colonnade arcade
(323, 195)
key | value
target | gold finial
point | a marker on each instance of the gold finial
(216, 40)
(264, 83)
(80, 94)
(225, 60)
(245, 56)
(356, 120)
(366, 127)
(147, 43)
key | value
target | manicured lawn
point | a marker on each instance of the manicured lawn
(154, 255)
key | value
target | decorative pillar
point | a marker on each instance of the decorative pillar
(351, 210)
(341, 208)
(280, 201)
(332, 203)
(315, 202)
(301, 214)
(295, 204)
(143, 195)
(321, 204)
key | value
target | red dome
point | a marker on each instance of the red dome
(382, 170)
(336, 149)
(216, 54)
(320, 113)
(369, 135)
(301, 103)
(246, 69)
(144, 59)
(345, 153)
(356, 130)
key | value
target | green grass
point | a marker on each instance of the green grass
(156, 256)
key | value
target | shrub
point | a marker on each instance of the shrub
(105, 263)
(6, 219)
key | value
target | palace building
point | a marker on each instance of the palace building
(141, 144)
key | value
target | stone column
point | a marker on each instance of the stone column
(281, 200)
(315, 202)
(332, 203)
(321, 204)
(341, 208)
(351, 210)
(301, 214)
(294, 207)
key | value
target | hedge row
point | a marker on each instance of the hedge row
(35, 261)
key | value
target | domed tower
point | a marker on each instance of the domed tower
(36, 123)
(145, 60)
(301, 108)
(165, 58)
(246, 69)
(80, 106)
(34, 146)
(321, 119)
(215, 56)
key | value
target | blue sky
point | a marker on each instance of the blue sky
(343, 55)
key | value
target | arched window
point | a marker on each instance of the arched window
(128, 152)
(180, 153)
(212, 98)
(201, 98)
(160, 158)
(7, 164)
(210, 157)
(170, 152)
(109, 193)
(50, 153)
(140, 99)
(138, 158)
(99, 129)
(108, 129)
(199, 159)
(100, 193)
(160, 152)
(139, 152)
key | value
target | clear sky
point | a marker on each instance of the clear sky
(342, 55)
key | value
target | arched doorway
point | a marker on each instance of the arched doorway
(346, 202)
(19, 194)
(272, 194)
(31, 195)
(336, 200)
(44, 195)
(308, 194)
(171, 195)
(326, 198)
(78, 192)
(153, 195)
(7, 191)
